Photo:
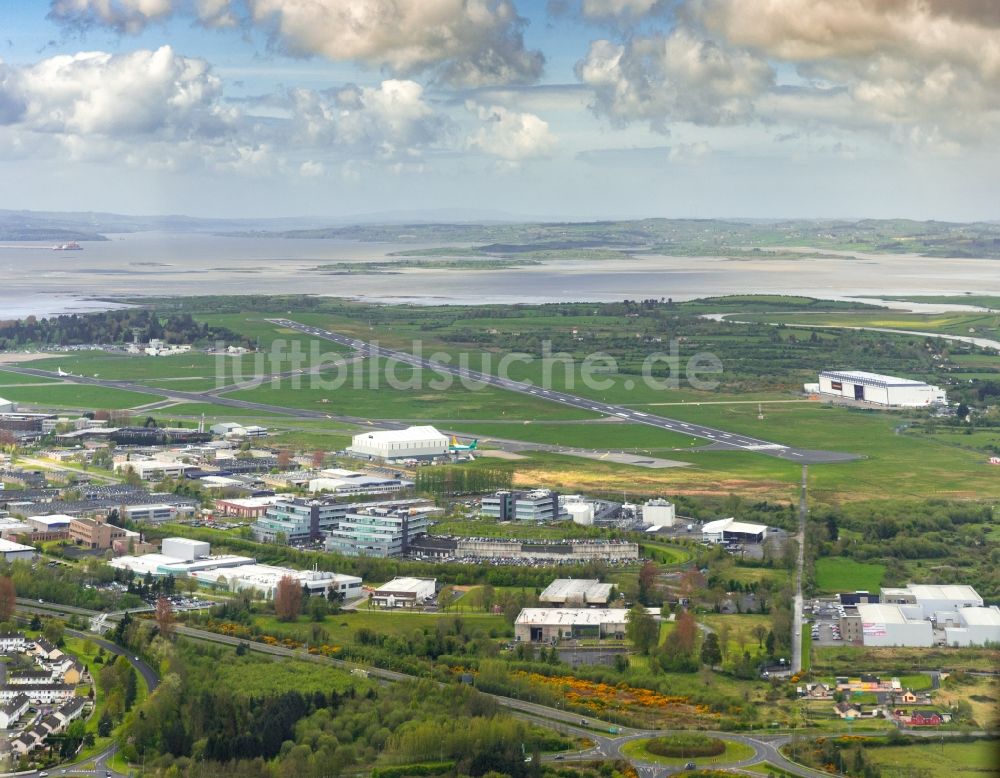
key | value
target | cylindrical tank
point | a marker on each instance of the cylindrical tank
(581, 512)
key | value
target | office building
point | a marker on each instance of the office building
(377, 531)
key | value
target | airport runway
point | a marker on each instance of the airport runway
(722, 439)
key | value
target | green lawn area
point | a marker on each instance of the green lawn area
(404, 392)
(342, 627)
(664, 553)
(892, 463)
(936, 758)
(747, 575)
(248, 676)
(76, 396)
(13, 379)
(833, 660)
(735, 752)
(806, 649)
(741, 626)
(949, 323)
(840, 574)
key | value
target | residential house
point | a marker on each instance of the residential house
(23, 744)
(51, 723)
(11, 642)
(12, 710)
(925, 718)
(74, 672)
(39, 693)
(71, 710)
(46, 650)
(848, 710)
(24, 677)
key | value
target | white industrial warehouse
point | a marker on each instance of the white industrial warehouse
(889, 625)
(411, 443)
(726, 530)
(923, 615)
(536, 625)
(181, 557)
(879, 389)
(576, 592)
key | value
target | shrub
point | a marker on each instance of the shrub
(691, 744)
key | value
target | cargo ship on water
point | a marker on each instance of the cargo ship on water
(71, 246)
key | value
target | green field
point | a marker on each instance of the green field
(914, 464)
(953, 323)
(404, 392)
(342, 627)
(938, 758)
(839, 574)
(13, 379)
(76, 396)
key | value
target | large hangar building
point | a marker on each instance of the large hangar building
(411, 443)
(880, 389)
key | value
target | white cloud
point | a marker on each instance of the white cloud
(469, 42)
(689, 153)
(510, 135)
(96, 93)
(390, 120)
(679, 76)
(125, 16)
(597, 9)
(463, 42)
(921, 68)
(311, 169)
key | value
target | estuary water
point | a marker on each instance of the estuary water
(37, 280)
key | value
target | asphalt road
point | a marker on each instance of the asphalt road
(723, 439)
(799, 565)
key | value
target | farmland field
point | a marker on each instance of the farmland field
(981, 758)
(839, 574)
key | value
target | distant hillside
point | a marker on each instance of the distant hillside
(685, 237)
(47, 234)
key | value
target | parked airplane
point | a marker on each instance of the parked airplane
(456, 446)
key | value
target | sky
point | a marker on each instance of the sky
(526, 109)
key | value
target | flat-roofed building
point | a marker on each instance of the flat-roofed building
(976, 627)
(153, 469)
(890, 625)
(347, 482)
(265, 579)
(54, 522)
(185, 549)
(298, 520)
(379, 532)
(247, 507)
(404, 592)
(158, 513)
(549, 625)
(933, 598)
(576, 592)
(94, 534)
(12, 551)
(726, 530)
